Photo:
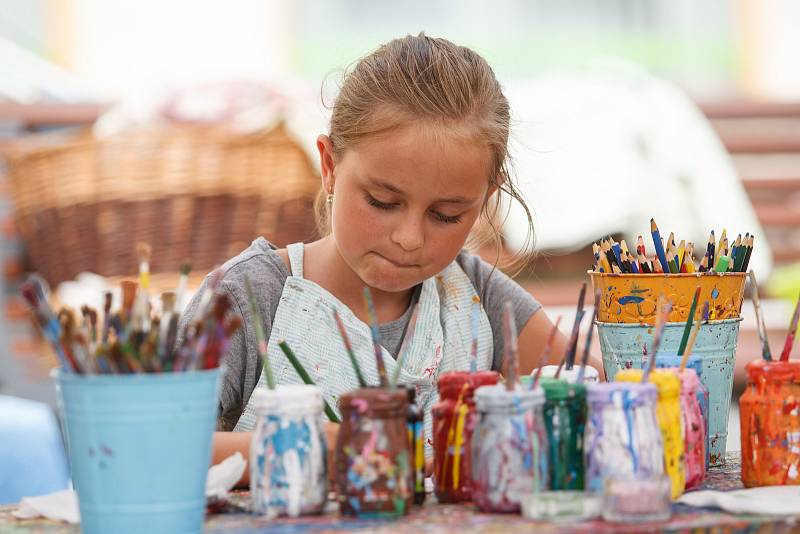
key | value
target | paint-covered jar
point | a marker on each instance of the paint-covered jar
(453, 424)
(668, 410)
(565, 421)
(693, 362)
(509, 447)
(769, 411)
(694, 429)
(622, 435)
(288, 452)
(373, 457)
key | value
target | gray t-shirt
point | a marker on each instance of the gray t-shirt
(268, 272)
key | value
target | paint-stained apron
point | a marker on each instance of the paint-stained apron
(441, 341)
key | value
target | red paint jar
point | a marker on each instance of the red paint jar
(770, 424)
(453, 423)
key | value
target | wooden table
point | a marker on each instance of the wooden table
(465, 519)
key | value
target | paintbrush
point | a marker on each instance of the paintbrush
(376, 343)
(762, 330)
(473, 327)
(510, 348)
(689, 320)
(548, 347)
(661, 324)
(261, 339)
(588, 344)
(404, 346)
(349, 349)
(693, 337)
(573, 345)
(183, 282)
(35, 294)
(307, 379)
(787, 346)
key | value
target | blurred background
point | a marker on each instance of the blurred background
(191, 124)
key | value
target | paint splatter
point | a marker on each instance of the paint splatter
(630, 299)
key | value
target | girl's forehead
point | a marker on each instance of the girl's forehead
(415, 155)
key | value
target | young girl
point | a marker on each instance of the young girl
(415, 155)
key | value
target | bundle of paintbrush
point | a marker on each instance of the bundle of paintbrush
(671, 258)
(135, 339)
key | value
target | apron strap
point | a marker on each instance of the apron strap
(295, 252)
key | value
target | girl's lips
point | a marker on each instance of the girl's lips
(397, 264)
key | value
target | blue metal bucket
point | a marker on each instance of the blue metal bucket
(139, 448)
(627, 345)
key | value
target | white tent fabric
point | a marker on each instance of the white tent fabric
(606, 149)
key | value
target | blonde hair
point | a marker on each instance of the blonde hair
(421, 78)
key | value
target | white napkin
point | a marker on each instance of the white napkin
(768, 500)
(63, 505)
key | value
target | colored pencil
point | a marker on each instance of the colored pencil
(662, 258)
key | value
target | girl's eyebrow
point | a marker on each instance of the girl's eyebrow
(449, 200)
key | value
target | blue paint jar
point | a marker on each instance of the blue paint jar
(288, 452)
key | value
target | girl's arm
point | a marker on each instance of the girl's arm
(228, 443)
(533, 338)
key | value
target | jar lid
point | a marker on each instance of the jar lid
(607, 391)
(673, 360)
(689, 380)
(377, 402)
(773, 370)
(453, 383)
(666, 382)
(498, 397)
(288, 399)
(557, 389)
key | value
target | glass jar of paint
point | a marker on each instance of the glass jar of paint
(565, 421)
(668, 410)
(453, 424)
(694, 362)
(373, 456)
(634, 500)
(416, 442)
(622, 436)
(590, 374)
(694, 429)
(509, 447)
(769, 411)
(288, 452)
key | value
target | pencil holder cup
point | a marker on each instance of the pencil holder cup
(625, 346)
(633, 298)
(139, 448)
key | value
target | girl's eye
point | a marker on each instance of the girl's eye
(449, 219)
(372, 201)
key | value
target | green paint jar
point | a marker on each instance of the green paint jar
(565, 420)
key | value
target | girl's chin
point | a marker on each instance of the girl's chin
(388, 281)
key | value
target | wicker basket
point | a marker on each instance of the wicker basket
(193, 193)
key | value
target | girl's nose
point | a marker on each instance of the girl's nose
(409, 234)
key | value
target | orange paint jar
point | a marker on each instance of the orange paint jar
(770, 424)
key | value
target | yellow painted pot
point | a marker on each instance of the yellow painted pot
(632, 298)
(668, 412)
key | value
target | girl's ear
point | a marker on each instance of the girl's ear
(326, 162)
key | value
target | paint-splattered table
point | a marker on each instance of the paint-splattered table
(465, 519)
